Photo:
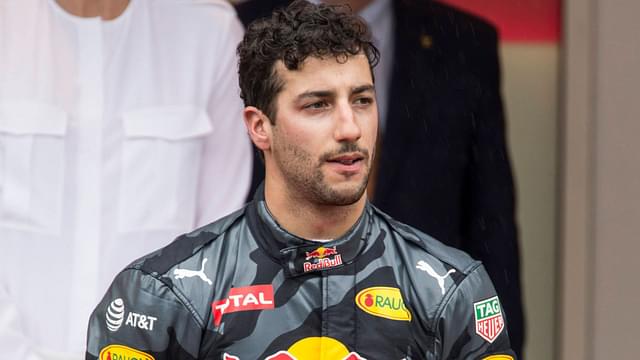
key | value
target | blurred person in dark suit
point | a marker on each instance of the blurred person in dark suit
(443, 164)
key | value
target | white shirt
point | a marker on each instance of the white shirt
(115, 137)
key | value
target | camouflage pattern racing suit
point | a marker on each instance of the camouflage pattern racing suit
(244, 288)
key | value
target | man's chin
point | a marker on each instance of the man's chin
(344, 195)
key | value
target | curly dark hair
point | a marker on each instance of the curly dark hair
(293, 34)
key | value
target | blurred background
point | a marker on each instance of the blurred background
(530, 48)
(570, 76)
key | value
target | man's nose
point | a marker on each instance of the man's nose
(346, 127)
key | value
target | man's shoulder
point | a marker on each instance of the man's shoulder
(180, 278)
(186, 246)
(421, 243)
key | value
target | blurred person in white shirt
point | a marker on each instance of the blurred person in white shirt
(120, 127)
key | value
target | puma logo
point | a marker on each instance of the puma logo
(184, 273)
(424, 266)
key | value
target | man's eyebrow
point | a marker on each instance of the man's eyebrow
(330, 93)
(363, 88)
(316, 94)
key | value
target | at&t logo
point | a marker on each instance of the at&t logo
(116, 316)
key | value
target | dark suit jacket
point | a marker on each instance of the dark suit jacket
(444, 166)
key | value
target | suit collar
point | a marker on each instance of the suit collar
(299, 256)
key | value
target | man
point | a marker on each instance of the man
(120, 128)
(443, 165)
(309, 269)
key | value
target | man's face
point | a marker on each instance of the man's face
(324, 136)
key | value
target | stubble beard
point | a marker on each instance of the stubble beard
(304, 177)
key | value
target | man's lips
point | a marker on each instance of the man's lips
(347, 164)
(347, 159)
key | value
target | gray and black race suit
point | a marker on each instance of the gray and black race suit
(244, 288)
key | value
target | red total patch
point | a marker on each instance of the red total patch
(257, 297)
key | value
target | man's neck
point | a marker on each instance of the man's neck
(308, 220)
(106, 9)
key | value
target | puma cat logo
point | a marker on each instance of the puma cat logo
(184, 273)
(424, 266)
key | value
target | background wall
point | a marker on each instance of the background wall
(601, 181)
(530, 86)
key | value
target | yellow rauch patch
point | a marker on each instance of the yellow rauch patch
(384, 302)
(121, 352)
(498, 357)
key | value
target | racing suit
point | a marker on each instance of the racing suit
(244, 288)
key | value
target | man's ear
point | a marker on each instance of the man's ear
(258, 126)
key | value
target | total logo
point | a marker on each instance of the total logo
(116, 316)
(322, 260)
(257, 297)
(311, 348)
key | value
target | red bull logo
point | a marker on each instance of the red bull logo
(321, 253)
(322, 259)
(312, 348)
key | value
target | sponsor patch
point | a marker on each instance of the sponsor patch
(117, 352)
(321, 258)
(424, 266)
(489, 320)
(257, 297)
(498, 357)
(312, 347)
(384, 302)
(115, 316)
(186, 273)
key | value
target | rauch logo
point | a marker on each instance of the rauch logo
(384, 302)
(121, 352)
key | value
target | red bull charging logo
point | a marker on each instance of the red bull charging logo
(322, 260)
(311, 348)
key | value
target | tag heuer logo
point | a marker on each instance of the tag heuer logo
(489, 320)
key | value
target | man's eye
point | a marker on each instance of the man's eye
(364, 101)
(316, 105)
